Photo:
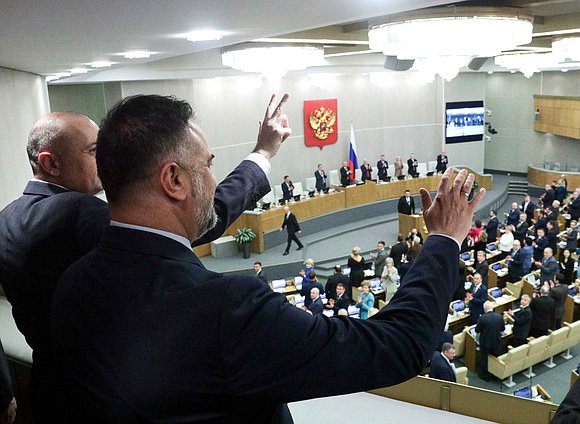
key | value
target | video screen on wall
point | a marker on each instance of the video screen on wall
(464, 121)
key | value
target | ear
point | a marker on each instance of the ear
(175, 181)
(49, 163)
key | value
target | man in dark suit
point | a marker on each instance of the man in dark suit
(320, 176)
(480, 266)
(516, 264)
(412, 165)
(558, 292)
(542, 313)
(292, 227)
(441, 366)
(155, 315)
(366, 171)
(477, 296)
(491, 227)
(383, 166)
(548, 266)
(398, 250)
(521, 228)
(574, 205)
(442, 162)
(513, 216)
(260, 273)
(528, 208)
(548, 196)
(287, 189)
(58, 220)
(489, 326)
(336, 278)
(7, 401)
(552, 234)
(522, 321)
(540, 245)
(406, 204)
(315, 305)
(342, 300)
(307, 287)
(345, 174)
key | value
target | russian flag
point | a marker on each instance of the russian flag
(352, 158)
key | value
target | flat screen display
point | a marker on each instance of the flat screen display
(464, 121)
(458, 306)
(496, 293)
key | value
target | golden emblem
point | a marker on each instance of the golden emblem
(322, 120)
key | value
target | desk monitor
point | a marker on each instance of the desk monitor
(526, 392)
(375, 283)
(491, 247)
(496, 293)
(297, 198)
(508, 262)
(298, 299)
(266, 206)
(473, 332)
(572, 291)
(346, 271)
(458, 305)
(496, 266)
(298, 280)
(328, 312)
(352, 310)
(278, 284)
(465, 256)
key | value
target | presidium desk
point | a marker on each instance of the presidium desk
(344, 198)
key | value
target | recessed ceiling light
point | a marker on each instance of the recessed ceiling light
(101, 64)
(79, 71)
(50, 78)
(512, 71)
(204, 35)
(137, 54)
(490, 72)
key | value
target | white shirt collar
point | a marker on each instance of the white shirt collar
(167, 234)
(46, 182)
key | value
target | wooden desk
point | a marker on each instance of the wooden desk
(498, 278)
(543, 393)
(541, 177)
(458, 322)
(573, 377)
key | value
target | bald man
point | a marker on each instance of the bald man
(58, 220)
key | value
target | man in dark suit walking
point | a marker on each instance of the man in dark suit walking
(489, 326)
(522, 321)
(287, 189)
(441, 363)
(292, 227)
(320, 176)
(383, 167)
(406, 204)
(156, 210)
(345, 174)
(542, 313)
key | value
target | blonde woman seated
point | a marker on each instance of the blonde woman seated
(389, 279)
(366, 300)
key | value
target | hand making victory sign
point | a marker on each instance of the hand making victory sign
(273, 129)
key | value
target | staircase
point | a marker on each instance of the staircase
(519, 188)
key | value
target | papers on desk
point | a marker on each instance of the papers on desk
(508, 329)
(469, 262)
(506, 296)
(368, 272)
(328, 312)
(280, 290)
(577, 299)
(502, 272)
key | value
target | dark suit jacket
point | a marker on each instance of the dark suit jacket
(542, 314)
(412, 166)
(406, 208)
(491, 229)
(49, 228)
(344, 176)
(383, 167)
(442, 161)
(366, 172)
(291, 223)
(316, 307)
(522, 323)
(549, 269)
(574, 208)
(548, 197)
(483, 269)
(559, 293)
(305, 291)
(552, 236)
(513, 217)
(569, 410)
(6, 394)
(397, 252)
(541, 244)
(489, 326)
(521, 231)
(476, 305)
(320, 180)
(287, 190)
(516, 266)
(529, 211)
(262, 276)
(440, 368)
(130, 347)
(332, 282)
(343, 302)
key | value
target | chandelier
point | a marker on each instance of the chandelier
(272, 61)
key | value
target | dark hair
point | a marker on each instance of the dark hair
(337, 269)
(400, 238)
(311, 275)
(382, 242)
(478, 223)
(493, 211)
(529, 241)
(407, 190)
(258, 263)
(286, 176)
(139, 133)
(341, 285)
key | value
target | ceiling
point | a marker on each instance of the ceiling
(45, 37)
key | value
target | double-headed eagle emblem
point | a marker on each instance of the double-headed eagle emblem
(322, 122)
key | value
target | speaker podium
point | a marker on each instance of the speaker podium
(408, 222)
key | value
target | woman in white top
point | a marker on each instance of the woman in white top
(389, 279)
(506, 241)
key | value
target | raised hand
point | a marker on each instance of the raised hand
(274, 128)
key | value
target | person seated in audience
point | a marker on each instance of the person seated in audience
(390, 279)
(513, 216)
(399, 250)
(528, 208)
(308, 268)
(406, 204)
(528, 251)
(287, 189)
(365, 301)
(572, 236)
(333, 281)
(398, 164)
(548, 265)
(558, 292)
(522, 321)
(548, 196)
(552, 234)
(480, 266)
(491, 226)
(521, 229)
(357, 265)
(383, 167)
(366, 171)
(475, 231)
(316, 306)
(345, 174)
(412, 165)
(542, 313)
(442, 161)
(566, 266)
(516, 262)
(260, 273)
(307, 287)
(506, 241)
(342, 300)
(320, 175)
(477, 295)
(481, 244)
(560, 191)
(540, 243)
(414, 234)
(442, 366)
